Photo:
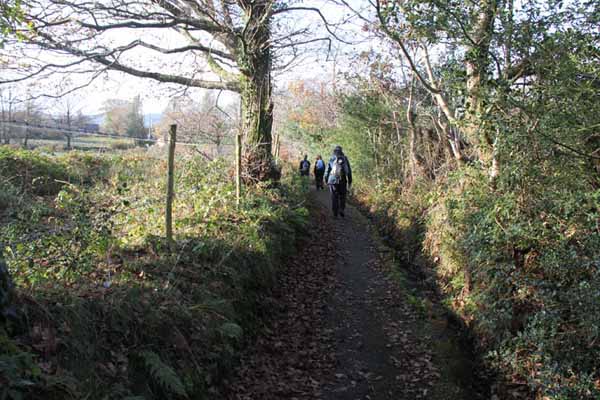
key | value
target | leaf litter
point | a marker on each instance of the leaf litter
(337, 327)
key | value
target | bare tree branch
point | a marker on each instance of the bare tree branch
(116, 65)
(327, 24)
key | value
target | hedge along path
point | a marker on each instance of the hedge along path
(340, 327)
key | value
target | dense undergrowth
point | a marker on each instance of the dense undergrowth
(516, 259)
(525, 285)
(106, 310)
(510, 237)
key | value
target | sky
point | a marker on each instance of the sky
(155, 95)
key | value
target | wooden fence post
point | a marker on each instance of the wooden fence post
(276, 145)
(170, 184)
(238, 168)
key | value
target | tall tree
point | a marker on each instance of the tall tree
(223, 45)
(485, 50)
(116, 112)
(417, 26)
(70, 116)
(8, 102)
(203, 122)
(308, 107)
(30, 113)
(135, 119)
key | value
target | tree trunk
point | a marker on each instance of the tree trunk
(6, 292)
(276, 146)
(476, 62)
(257, 107)
(257, 119)
(495, 167)
(416, 162)
(453, 137)
(4, 135)
(453, 140)
(218, 143)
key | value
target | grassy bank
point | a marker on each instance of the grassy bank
(106, 310)
(518, 268)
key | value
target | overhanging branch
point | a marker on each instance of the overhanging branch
(198, 47)
(319, 13)
(118, 66)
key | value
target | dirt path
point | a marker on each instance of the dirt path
(341, 328)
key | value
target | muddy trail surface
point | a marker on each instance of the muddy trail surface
(341, 327)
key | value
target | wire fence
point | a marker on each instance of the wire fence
(60, 139)
(56, 140)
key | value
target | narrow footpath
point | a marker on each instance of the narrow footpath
(340, 328)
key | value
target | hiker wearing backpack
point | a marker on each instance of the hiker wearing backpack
(339, 179)
(319, 172)
(305, 166)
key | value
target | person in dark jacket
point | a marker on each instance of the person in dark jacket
(305, 166)
(319, 172)
(339, 179)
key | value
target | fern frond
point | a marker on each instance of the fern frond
(163, 374)
(231, 330)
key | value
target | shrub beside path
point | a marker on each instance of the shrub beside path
(340, 327)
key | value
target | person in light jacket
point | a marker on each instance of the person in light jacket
(339, 180)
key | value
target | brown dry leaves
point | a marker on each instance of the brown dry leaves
(290, 358)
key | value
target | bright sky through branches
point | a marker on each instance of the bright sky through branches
(314, 63)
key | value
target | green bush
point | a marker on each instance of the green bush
(534, 270)
(85, 168)
(119, 145)
(520, 266)
(9, 195)
(134, 317)
(41, 174)
(31, 171)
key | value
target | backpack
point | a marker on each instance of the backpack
(305, 166)
(339, 170)
(320, 165)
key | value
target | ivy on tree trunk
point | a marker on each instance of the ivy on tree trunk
(255, 61)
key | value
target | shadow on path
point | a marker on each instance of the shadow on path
(342, 329)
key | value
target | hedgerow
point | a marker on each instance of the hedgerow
(521, 271)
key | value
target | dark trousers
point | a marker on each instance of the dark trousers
(338, 197)
(319, 179)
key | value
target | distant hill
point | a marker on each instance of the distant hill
(152, 118)
(96, 119)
